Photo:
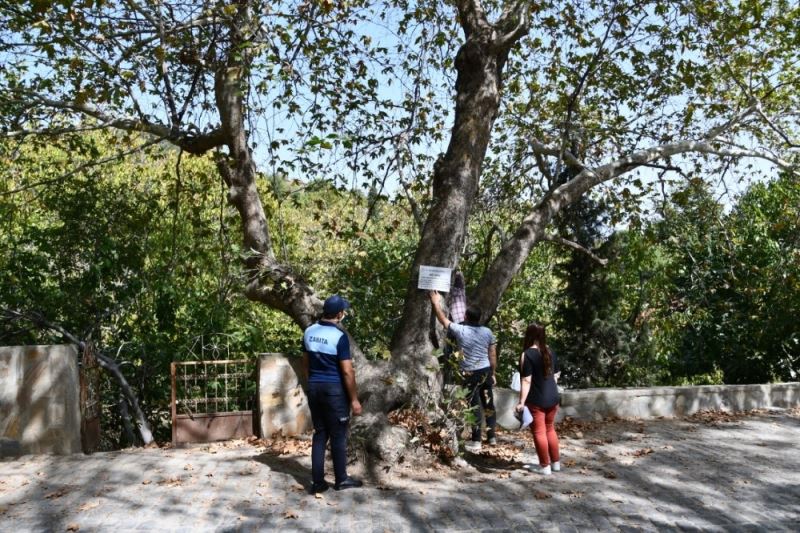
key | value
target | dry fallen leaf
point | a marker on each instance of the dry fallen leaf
(539, 495)
(57, 494)
(73, 527)
(319, 496)
(608, 474)
(88, 505)
(146, 482)
(290, 514)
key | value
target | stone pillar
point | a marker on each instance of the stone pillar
(39, 400)
(282, 402)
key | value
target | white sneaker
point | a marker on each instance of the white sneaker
(473, 446)
(543, 470)
(493, 442)
(556, 465)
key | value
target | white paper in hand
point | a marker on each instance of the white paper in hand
(527, 418)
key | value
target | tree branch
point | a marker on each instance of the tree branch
(716, 131)
(588, 178)
(471, 16)
(782, 134)
(569, 158)
(519, 13)
(191, 143)
(516, 249)
(575, 246)
(52, 132)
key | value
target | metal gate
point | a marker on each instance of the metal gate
(212, 400)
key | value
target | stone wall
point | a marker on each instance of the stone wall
(651, 402)
(282, 403)
(39, 400)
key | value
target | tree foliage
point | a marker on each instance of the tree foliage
(356, 93)
(716, 291)
(736, 285)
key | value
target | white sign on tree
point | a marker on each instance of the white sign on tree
(434, 278)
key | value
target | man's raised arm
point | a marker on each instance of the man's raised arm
(436, 302)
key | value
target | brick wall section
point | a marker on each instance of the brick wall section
(39, 400)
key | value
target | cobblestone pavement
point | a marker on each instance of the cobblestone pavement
(710, 473)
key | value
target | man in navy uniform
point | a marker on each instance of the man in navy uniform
(332, 393)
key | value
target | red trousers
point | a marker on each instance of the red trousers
(544, 433)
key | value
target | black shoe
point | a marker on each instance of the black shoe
(316, 488)
(348, 483)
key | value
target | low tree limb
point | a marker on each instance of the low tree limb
(111, 366)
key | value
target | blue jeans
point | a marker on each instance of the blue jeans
(481, 396)
(330, 414)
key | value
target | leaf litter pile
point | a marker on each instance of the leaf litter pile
(421, 431)
(282, 445)
(717, 418)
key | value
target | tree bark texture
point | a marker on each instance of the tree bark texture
(269, 281)
(479, 63)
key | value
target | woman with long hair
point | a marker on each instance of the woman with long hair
(539, 392)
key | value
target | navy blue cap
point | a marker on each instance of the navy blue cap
(334, 304)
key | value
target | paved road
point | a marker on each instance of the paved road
(707, 473)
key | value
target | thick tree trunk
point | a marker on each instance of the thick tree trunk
(455, 181)
(413, 375)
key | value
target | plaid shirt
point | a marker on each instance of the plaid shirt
(458, 304)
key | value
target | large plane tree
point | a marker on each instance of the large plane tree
(601, 88)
